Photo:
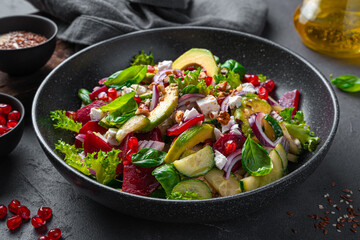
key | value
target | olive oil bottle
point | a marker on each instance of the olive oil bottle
(331, 27)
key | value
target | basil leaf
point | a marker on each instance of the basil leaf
(167, 176)
(255, 159)
(130, 75)
(347, 83)
(148, 157)
(127, 101)
(190, 89)
(233, 65)
(116, 120)
(84, 96)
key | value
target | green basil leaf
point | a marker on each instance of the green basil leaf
(255, 159)
(233, 65)
(347, 83)
(148, 157)
(190, 89)
(116, 119)
(130, 75)
(84, 96)
(125, 101)
(167, 176)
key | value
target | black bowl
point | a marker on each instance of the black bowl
(26, 60)
(59, 91)
(10, 140)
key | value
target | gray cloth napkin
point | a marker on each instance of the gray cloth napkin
(90, 21)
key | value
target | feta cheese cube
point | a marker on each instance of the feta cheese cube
(139, 89)
(190, 114)
(167, 64)
(110, 136)
(248, 87)
(96, 114)
(217, 133)
(220, 160)
(225, 128)
(208, 104)
(126, 90)
(234, 101)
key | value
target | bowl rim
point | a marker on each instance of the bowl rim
(39, 18)
(21, 117)
(323, 149)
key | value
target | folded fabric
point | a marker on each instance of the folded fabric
(90, 21)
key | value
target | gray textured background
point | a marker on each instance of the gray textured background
(27, 175)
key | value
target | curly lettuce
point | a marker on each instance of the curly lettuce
(62, 121)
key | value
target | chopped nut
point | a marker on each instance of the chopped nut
(162, 98)
(239, 88)
(161, 88)
(223, 118)
(222, 86)
(222, 94)
(179, 116)
(152, 84)
(142, 111)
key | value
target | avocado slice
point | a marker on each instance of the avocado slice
(134, 124)
(188, 140)
(197, 56)
(164, 109)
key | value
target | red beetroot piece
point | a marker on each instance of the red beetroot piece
(220, 144)
(290, 99)
(93, 143)
(11, 123)
(45, 212)
(14, 206)
(2, 120)
(124, 147)
(37, 221)
(92, 126)
(154, 135)
(5, 108)
(13, 222)
(83, 114)
(24, 212)
(44, 238)
(54, 233)
(3, 211)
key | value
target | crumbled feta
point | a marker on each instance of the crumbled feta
(208, 104)
(217, 133)
(139, 89)
(190, 114)
(167, 64)
(213, 115)
(235, 129)
(234, 101)
(96, 114)
(126, 90)
(110, 136)
(225, 128)
(220, 160)
(248, 87)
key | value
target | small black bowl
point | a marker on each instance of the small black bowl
(26, 60)
(10, 140)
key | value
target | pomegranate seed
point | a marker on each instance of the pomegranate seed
(150, 69)
(208, 81)
(72, 115)
(11, 124)
(37, 221)
(263, 93)
(14, 115)
(2, 120)
(103, 96)
(44, 238)
(112, 93)
(133, 144)
(3, 211)
(5, 108)
(14, 206)
(251, 78)
(269, 85)
(44, 212)
(137, 99)
(54, 233)
(3, 129)
(24, 212)
(13, 222)
(230, 147)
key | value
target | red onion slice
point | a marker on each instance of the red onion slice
(160, 76)
(155, 98)
(80, 137)
(255, 124)
(225, 104)
(272, 101)
(231, 160)
(92, 171)
(190, 97)
(157, 145)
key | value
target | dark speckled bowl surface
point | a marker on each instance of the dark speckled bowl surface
(290, 71)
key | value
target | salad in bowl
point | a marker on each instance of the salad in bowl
(192, 128)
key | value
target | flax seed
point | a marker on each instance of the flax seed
(353, 230)
(290, 213)
(325, 231)
(293, 230)
(354, 225)
(310, 216)
(333, 184)
(346, 191)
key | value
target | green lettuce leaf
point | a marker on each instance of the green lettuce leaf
(148, 157)
(62, 121)
(125, 103)
(143, 59)
(167, 176)
(287, 116)
(186, 196)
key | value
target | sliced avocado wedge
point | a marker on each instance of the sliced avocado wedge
(164, 109)
(132, 125)
(197, 56)
(188, 140)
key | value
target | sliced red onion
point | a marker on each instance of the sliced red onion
(161, 75)
(240, 93)
(155, 97)
(276, 116)
(232, 159)
(272, 101)
(225, 104)
(92, 171)
(157, 145)
(187, 107)
(255, 124)
(285, 143)
(190, 97)
(80, 137)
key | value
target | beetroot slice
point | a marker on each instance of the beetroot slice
(124, 147)
(93, 143)
(154, 135)
(78, 144)
(138, 180)
(93, 126)
(290, 99)
(95, 93)
(83, 114)
(220, 143)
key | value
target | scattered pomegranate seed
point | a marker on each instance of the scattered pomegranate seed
(137, 99)
(13, 222)
(269, 85)
(37, 221)
(133, 144)
(24, 212)
(14, 206)
(3, 129)
(11, 124)
(3, 211)
(251, 78)
(14, 115)
(103, 96)
(208, 81)
(230, 147)
(45, 212)
(72, 115)
(150, 69)
(263, 93)
(5, 108)
(112, 93)
(54, 233)
(2, 120)
(44, 238)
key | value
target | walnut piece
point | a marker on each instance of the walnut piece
(179, 116)
(222, 86)
(142, 111)
(223, 118)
